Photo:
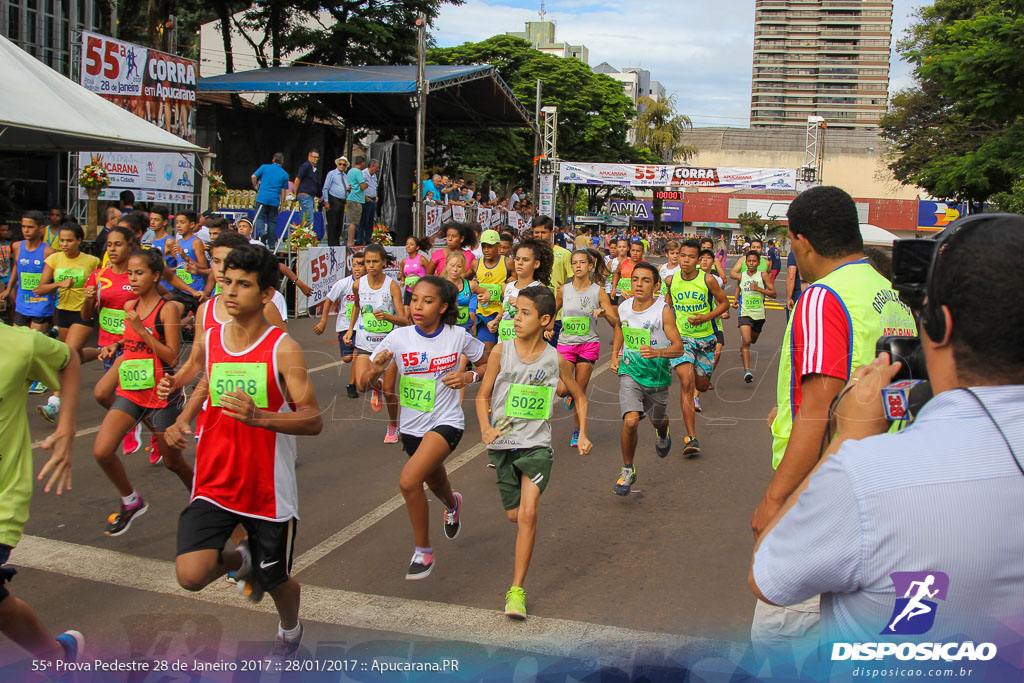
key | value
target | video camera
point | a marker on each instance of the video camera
(911, 270)
(911, 265)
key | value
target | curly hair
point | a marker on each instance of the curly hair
(545, 255)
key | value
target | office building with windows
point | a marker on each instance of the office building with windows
(827, 58)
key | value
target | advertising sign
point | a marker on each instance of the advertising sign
(641, 175)
(155, 86)
(644, 210)
(546, 195)
(935, 216)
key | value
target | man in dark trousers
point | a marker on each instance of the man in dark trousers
(334, 196)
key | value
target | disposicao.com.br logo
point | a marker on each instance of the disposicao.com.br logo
(914, 614)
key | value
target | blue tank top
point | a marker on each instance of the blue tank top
(170, 260)
(198, 281)
(467, 303)
(30, 270)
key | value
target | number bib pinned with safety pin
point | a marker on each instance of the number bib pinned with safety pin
(373, 326)
(417, 393)
(529, 402)
(506, 330)
(249, 378)
(137, 374)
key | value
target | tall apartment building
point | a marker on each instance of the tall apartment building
(827, 58)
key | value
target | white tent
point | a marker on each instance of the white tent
(876, 236)
(42, 110)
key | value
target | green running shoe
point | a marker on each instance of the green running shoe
(515, 603)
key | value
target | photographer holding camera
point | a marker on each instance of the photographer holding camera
(944, 495)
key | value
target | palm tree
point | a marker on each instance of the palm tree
(660, 129)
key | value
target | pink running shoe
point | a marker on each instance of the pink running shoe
(155, 456)
(132, 440)
(392, 435)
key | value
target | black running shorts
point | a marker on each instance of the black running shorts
(204, 526)
(453, 435)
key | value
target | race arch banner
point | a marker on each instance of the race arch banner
(646, 175)
(158, 87)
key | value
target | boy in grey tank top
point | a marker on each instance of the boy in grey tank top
(514, 410)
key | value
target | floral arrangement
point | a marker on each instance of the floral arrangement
(93, 176)
(302, 235)
(217, 186)
(381, 235)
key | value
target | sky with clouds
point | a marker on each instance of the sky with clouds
(700, 51)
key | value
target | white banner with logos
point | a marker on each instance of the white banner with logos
(459, 214)
(433, 219)
(645, 175)
(321, 267)
(151, 176)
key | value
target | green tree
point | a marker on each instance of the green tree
(660, 130)
(755, 227)
(593, 114)
(958, 132)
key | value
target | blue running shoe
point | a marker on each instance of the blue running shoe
(575, 440)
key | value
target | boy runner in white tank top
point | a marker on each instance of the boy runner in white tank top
(644, 341)
(515, 421)
(752, 288)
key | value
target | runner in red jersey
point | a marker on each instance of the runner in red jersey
(211, 314)
(152, 338)
(260, 398)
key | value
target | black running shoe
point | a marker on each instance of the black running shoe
(351, 389)
(420, 567)
(452, 524)
(119, 522)
(691, 447)
(662, 444)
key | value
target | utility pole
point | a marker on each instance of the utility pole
(536, 151)
(418, 223)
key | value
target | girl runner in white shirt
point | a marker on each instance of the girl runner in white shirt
(378, 309)
(426, 357)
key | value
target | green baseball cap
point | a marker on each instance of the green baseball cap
(490, 237)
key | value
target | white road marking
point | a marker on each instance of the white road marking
(594, 644)
(80, 432)
(335, 541)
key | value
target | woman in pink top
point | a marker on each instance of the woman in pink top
(458, 237)
(414, 266)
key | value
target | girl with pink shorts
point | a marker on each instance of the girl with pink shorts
(582, 301)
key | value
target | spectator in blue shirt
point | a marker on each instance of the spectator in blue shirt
(356, 198)
(306, 184)
(271, 184)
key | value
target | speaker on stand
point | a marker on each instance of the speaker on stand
(395, 185)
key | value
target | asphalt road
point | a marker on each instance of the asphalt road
(658, 576)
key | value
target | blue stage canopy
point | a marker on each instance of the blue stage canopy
(457, 96)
